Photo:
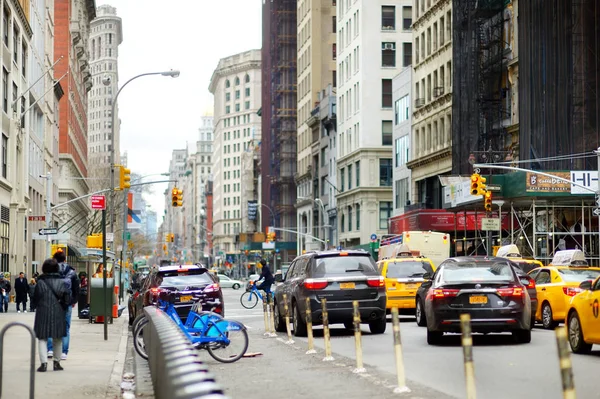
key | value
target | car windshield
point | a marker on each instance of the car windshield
(478, 271)
(578, 275)
(526, 266)
(343, 265)
(408, 269)
(183, 281)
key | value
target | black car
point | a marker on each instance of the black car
(341, 277)
(185, 281)
(488, 289)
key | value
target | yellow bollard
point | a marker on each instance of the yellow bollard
(271, 304)
(360, 368)
(566, 370)
(401, 388)
(467, 344)
(328, 357)
(265, 315)
(287, 320)
(309, 328)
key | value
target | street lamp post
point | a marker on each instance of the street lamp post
(106, 81)
(272, 214)
(319, 202)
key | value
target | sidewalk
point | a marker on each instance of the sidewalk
(93, 370)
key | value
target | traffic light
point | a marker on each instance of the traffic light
(487, 201)
(176, 197)
(94, 241)
(172, 237)
(168, 238)
(58, 247)
(124, 178)
(478, 184)
(271, 237)
(179, 198)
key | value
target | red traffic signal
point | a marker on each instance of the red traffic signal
(487, 201)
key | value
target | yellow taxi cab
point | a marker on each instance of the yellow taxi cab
(558, 282)
(404, 273)
(512, 253)
(583, 317)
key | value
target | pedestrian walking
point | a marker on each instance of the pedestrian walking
(21, 292)
(71, 282)
(32, 284)
(51, 300)
(5, 289)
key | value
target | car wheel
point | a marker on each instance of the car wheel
(278, 320)
(420, 313)
(300, 329)
(378, 326)
(522, 336)
(547, 317)
(236, 286)
(578, 345)
(434, 337)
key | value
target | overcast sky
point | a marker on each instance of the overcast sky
(159, 114)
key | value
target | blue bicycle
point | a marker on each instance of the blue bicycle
(225, 340)
(250, 298)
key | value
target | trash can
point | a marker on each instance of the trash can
(97, 296)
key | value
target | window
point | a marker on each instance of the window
(349, 218)
(334, 24)
(247, 105)
(237, 94)
(4, 90)
(386, 132)
(386, 93)
(406, 18)
(342, 179)
(401, 110)
(227, 109)
(358, 217)
(15, 44)
(247, 78)
(406, 54)
(237, 107)
(227, 96)
(334, 51)
(385, 172)
(343, 223)
(24, 59)
(247, 92)
(349, 177)
(227, 84)
(357, 173)
(388, 54)
(5, 25)
(401, 193)
(388, 18)
(237, 81)
(4, 156)
(385, 212)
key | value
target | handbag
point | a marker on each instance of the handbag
(63, 304)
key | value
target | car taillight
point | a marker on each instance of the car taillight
(212, 288)
(444, 293)
(375, 282)
(531, 283)
(312, 284)
(154, 291)
(572, 291)
(513, 291)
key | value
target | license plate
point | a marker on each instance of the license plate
(185, 298)
(478, 299)
(410, 286)
(347, 286)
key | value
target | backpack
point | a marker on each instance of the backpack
(64, 270)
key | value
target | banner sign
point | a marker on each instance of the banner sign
(544, 184)
(252, 209)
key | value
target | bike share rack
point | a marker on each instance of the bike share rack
(31, 360)
(176, 369)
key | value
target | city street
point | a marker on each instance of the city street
(502, 369)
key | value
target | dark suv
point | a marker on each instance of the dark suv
(340, 277)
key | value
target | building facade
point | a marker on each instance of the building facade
(365, 112)
(317, 27)
(174, 216)
(236, 86)
(401, 85)
(106, 35)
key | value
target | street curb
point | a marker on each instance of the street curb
(114, 384)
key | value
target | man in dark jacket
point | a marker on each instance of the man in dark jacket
(71, 280)
(21, 291)
(267, 278)
(4, 293)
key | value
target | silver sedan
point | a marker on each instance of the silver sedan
(227, 282)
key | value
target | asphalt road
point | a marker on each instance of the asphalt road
(502, 369)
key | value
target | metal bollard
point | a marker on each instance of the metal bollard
(271, 303)
(467, 344)
(328, 357)
(309, 329)
(287, 320)
(566, 370)
(360, 368)
(401, 388)
(265, 315)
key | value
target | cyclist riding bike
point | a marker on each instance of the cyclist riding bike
(267, 278)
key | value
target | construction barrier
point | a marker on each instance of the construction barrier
(328, 357)
(467, 344)
(360, 368)
(287, 319)
(566, 369)
(309, 329)
(400, 373)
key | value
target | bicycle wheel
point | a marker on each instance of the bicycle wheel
(238, 341)
(249, 299)
(138, 339)
(137, 320)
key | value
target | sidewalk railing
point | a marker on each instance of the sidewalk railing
(176, 369)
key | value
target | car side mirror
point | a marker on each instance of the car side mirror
(278, 278)
(428, 276)
(427, 284)
(586, 285)
(525, 281)
(130, 291)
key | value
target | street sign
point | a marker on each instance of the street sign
(54, 237)
(597, 211)
(490, 224)
(48, 231)
(110, 237)
(98, 202)
(373, 237)
(36, 218)
(493, 187)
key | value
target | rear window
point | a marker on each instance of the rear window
(343, 265)
(578, 275)
(478, 271)
(186, 280)
(412, 269)
(525, 266)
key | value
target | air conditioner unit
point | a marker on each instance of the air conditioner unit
(438, 91)
(389, 46)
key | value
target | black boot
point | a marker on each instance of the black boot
(43, 368)
(57, 366)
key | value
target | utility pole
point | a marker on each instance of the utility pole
(48, 212)
(104, 267)
(123, 242)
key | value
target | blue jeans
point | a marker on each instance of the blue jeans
(3, 303)
(65, 340)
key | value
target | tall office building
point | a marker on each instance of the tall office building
(174, 221)
(105, 37)
(236, 85)
(365, 111)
